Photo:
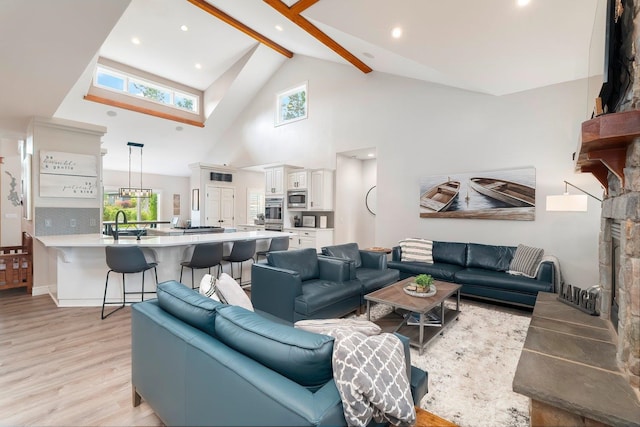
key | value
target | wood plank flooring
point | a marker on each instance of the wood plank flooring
(65, 366)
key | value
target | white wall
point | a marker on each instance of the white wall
(422, 129)
(166, 186)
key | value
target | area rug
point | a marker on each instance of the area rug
(472, 364)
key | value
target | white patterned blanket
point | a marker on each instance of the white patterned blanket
(371, 377)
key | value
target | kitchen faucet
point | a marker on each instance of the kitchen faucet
(115, 233)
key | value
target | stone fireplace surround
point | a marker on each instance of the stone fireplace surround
(582, 370)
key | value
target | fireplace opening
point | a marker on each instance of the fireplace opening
(615, 272)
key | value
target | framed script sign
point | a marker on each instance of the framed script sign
(57, 163)
(68, 175)
(84, 187)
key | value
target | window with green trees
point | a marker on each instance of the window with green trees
(135, 208)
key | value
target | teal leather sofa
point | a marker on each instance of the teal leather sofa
(199, 362)
(481, 270)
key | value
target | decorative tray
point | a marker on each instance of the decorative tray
(413, 293)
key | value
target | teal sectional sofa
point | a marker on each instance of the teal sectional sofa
(198, 362)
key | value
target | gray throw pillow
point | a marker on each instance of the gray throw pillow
(526, 260)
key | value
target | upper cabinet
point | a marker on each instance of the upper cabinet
(298, 180)
(274, 181)
(321, 194)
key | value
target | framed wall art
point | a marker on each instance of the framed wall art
(292, 105)
(500, 194)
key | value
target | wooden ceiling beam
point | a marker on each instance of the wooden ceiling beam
(202, 4)
(293, 14)
(302, 5)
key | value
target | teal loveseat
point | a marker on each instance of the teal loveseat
(199, 362)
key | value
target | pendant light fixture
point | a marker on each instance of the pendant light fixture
(132, 191)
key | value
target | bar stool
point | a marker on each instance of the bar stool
(276, 244)
(242, 250)
(205, 255)
(125, 260)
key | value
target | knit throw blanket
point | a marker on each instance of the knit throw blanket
(371, 377)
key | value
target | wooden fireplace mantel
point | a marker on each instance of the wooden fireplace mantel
(604, 143)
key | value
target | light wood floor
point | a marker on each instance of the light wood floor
(65, 366)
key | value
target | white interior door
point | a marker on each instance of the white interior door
(227, 206)
(220, 206)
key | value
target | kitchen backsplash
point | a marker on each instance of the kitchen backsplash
(63, 221)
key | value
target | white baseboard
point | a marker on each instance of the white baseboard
(39, 290)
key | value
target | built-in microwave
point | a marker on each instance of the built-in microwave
(297, 199)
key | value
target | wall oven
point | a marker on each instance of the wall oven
(273, 210)
(297, 199)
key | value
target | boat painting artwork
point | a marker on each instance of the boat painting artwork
(439, 197)
(500, 194)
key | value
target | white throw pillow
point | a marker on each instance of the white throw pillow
(231, 292)
(414, 249)
(329, 326)
(208, 287)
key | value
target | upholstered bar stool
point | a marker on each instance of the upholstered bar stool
(241, 251)
(125, 260)
(276, 244)
(205, 255)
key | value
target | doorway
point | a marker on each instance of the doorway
(356, 175)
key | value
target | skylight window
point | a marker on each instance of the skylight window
(108, 78)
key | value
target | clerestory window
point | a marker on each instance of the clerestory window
(108, 78)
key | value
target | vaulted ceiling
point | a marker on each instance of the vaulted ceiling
(49, 50)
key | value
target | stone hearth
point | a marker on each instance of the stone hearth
(622, 206)
(568, 369)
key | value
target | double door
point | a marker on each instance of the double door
(220, 206)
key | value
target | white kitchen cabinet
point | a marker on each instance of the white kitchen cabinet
(321, 194)
(310, 238)
(274, 181)
(298, 180)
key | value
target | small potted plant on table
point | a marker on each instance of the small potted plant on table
(424, 283)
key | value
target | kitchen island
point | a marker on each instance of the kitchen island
(77, 266)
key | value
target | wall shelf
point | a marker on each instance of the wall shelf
(604, 143)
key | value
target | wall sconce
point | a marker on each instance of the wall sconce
(569, 203)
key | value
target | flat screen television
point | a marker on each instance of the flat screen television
(618, 57)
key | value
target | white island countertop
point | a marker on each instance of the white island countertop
(100, 240)
(76, 264)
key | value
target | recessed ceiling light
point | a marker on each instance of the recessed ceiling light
(279, 28)
(179, 128)
(396, 33)
(198, 66)
(184, 28)
(523, 3)
(111, 113)
(135, 40)
(368, 55)
(370, 154)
